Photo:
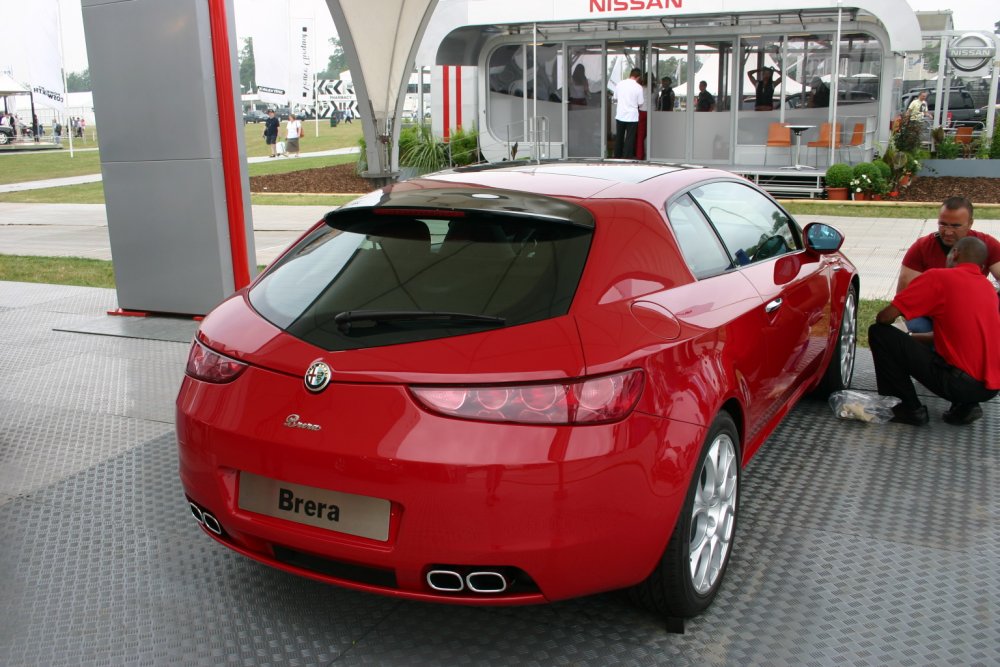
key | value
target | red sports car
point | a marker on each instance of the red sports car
(514, 385)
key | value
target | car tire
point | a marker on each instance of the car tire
(840, 370)
(3, 138)
(694, 563)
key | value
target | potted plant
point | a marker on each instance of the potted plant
(911, 168)
(865, 181)
(838, 180)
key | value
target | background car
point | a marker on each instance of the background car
(254, 116)
(6, 134)
(514, 385)
(962, 108)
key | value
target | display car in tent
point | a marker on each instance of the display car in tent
(516, 384)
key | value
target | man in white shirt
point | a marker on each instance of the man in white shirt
(629, 97)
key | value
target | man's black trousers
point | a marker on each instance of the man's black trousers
(898, 357)
(625, 138)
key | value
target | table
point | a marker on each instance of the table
(797, 130)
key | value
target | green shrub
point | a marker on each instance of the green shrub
(464, 147)
(907, 137)
(866, 169)
(839, 175)
(362, 165)
(948, 149)
(884, 170)
(425, 152)
(995, 144)
(868, 178)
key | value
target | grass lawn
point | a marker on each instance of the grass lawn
(93, 193)
(37, 166)
(285, 165)
(57, 271)
(330, 138)
(867, 309)
(19, 167)
(852, 210)
(301, 200)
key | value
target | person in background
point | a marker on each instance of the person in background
(640, 132)
(931, 252)
(964, 364)
(57, 132)
(578, 86)
(629, 97)
(764, 84)
(706, 100)
(819, 96)
(293, 131)
(271, 127)
(665, 101)
(918, 108)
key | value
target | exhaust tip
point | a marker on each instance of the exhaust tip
(446, 581)
(486, 582)
(212, 523)
(199, 516)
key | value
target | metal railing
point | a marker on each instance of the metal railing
(534, 131)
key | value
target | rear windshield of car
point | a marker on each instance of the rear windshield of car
(373, 279)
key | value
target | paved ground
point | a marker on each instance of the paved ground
(858, 544)
(876, 246)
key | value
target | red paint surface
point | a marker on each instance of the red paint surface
(446, 97)
(230, 146)
(580, 509)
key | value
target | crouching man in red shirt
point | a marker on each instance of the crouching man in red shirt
(964, 365)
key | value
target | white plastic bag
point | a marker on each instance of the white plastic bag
(873, 408)
(280, 150)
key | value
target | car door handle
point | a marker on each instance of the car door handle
(772, 306)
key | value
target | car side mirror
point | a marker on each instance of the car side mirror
(823, 239)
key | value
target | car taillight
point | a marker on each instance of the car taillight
(595, 400)
(204, 364)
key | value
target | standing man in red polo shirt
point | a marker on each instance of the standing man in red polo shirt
(931, 251)
(964, 365)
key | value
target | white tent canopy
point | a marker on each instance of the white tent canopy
(380, 41)
(8, 86)
(30, 52)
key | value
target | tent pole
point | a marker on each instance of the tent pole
(62, 51)
(834, 85)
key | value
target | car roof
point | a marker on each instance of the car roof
(566, 178)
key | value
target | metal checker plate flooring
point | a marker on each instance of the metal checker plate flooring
(858, 544)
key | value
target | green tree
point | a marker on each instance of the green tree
(337, 62)
(248, 71)
(931, 55)
(676, 69)
(78, 82)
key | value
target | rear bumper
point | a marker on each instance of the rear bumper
(568, 510)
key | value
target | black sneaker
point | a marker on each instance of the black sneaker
(915, 416)
(960, 414)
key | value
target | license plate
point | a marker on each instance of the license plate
(340, 512)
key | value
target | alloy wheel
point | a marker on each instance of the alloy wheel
(713, 515)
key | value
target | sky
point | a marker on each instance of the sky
(966, 14)
(75, 46)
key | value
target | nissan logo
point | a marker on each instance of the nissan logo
(317, 376)
(970, 52)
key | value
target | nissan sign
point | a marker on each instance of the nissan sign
(971, 52)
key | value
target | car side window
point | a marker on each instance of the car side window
(751, 226)
(699, 244)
